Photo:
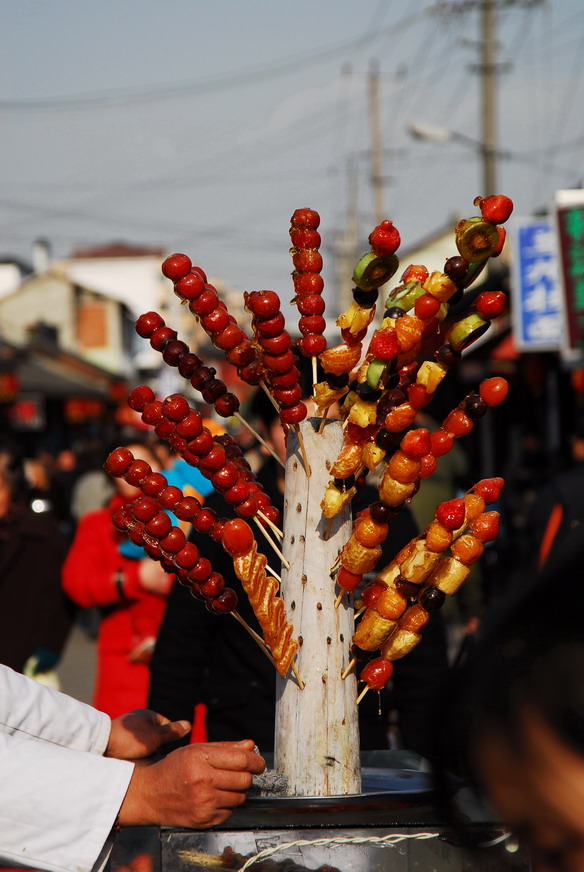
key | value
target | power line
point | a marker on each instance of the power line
(207, 85)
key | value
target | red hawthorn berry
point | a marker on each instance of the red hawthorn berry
(490, 304)
(441, 442)
(304, 239)
(416, 443)
(271, 327)
(486, 526)
(200, 272)
(451, 513)
(502, 237)
(294, 415)
(190, 287)
(237, 537)
(174, 351)
(377, 673)
(426, 306)
(418, 396)
(307, 283)
(312, 345)
(309, 261)
(161, 337)
(175, 408)
(489, 489)
(215, 321)
(229, 338)
(493, 390)
(118, 461)
(286, 379)
(384, 239)
(147, 324)
(311, 324)
(496, 208)
(242, 355)
(384, 344)
(428, 465)
(348, 580)
(262, 304)
(176, 266)
(205, 304)
(227, 405)
(280, 363)
(139, 397)
(252, 373)
(311, 304)
(415, 273)
(276, 344)
(306, 219)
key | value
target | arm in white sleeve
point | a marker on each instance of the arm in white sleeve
(27, 708)
(57, 805)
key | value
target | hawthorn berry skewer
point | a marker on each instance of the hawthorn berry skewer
(308, 283)
(203, 378)
(190, 284)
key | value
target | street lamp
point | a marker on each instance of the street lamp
(433, 133)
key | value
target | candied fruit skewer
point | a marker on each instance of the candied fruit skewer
(415, 459)
(177, 353)
(175, 421)
(371, 272)
(250, 567)
(278, 360)
(203, 378)
(161, 539)
(308, 283)
(445, 579)
(274, 346)
(147, 523)
(401, 578)
(190, 284)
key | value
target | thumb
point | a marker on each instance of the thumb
(173, 730)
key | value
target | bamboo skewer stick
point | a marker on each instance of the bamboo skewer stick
(266, 390)
(271, 524)
(242, 420)
(339, 599)
(303, 450)
(314, 370)
(349, 668)
(323, 419)
(360, 612)
(301, 684)
(362, 694)
(255, 636)
(274, 573)
(272, 543)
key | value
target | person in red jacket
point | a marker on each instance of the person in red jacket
(130, 592)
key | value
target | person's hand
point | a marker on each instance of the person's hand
(141, 732)
(153, 578)
(197, 786)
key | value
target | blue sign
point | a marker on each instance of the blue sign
(538, 316)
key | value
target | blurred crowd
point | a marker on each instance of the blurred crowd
(65, 565)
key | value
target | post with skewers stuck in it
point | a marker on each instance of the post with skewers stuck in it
(317, 729)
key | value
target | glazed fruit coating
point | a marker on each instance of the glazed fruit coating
(377, 673)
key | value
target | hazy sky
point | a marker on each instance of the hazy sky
(202, 126)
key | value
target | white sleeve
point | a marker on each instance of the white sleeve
(27, 708)
(57, 805)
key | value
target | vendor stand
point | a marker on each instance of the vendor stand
(336, 811)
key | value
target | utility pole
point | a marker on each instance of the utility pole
(347, 248)
(376, 148)
(489, 120)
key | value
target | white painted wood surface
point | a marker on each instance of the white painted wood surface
(317, 729)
